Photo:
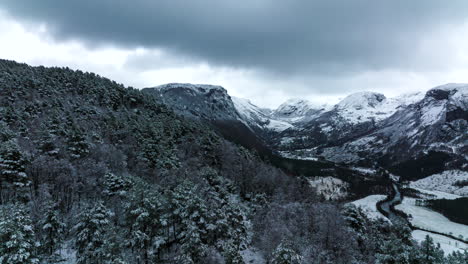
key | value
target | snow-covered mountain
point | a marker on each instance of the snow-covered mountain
(362, 125)
(434, 128)
(296, 110)
(212, 102)
(368, 106)
(252, 115)
(197, 100)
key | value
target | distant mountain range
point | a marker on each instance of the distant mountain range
(413, 135)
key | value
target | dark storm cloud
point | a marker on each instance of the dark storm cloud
(276, 36)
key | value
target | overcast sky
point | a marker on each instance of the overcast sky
(264, 50)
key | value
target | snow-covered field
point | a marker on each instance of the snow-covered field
(329, 187)
(304, 154)
(444, 182)
(437, 186)
(364, 170)
(446, 244)
(425, 218)
(368, 204)
(436, 194)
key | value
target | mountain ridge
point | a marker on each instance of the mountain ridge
(362, 125)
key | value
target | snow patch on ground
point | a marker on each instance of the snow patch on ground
(251, 256)
(444, 182)
(448, 245)
(437, 194)
(301, 154)
(367, 171)
(425, 218)
(329, 187)
(368, 204)
(432, 114)
(278, 125)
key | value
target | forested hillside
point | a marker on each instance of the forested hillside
(95, 172)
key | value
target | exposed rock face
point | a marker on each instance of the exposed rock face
(364, 128)
(197, 100)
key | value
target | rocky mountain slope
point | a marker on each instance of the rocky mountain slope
(364, 128)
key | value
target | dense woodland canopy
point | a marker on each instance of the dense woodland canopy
(109, 174)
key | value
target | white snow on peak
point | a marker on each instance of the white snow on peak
(452, 86)
(255, 115)
(460, 97)
(361, 100)
(458, 93)
(297, 108)
(248, 110)
(202, 88)
(407, 98)
(367, 106)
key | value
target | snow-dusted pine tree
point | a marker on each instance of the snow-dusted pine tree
(47, 144)
(77, 144)
(115, 184)
(431, 253)
(284, 254)
(17, 237)
(146, 220)
(457, 257)
(14, 181)
(92, 234)
(191, 214)
(53, 229)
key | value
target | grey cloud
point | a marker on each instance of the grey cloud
(322, 37)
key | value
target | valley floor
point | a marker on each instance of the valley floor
(423, 217)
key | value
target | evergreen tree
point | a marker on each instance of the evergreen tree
(17, 237)
(115, 184)
(53, 229)
(77, 144)
(158, 153)
(395, 251)
(431, 253)
(457, 257)
(146, 220)
(226, 220)
(189, 216)
(5, 132)
(14, 181)
(231, 254)
(47, 144)
(284, 254)
(92, 234)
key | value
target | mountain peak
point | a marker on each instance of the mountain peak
(361, 100)
(203, 88)
(197, 100)
(296, 107)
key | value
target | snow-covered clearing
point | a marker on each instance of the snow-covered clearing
(448, 245)
(278, 126)
(368, 204)
(364, 170)
(329, 187)
(444, 182)
(304, 154)
(437, 194)
(425, 218)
